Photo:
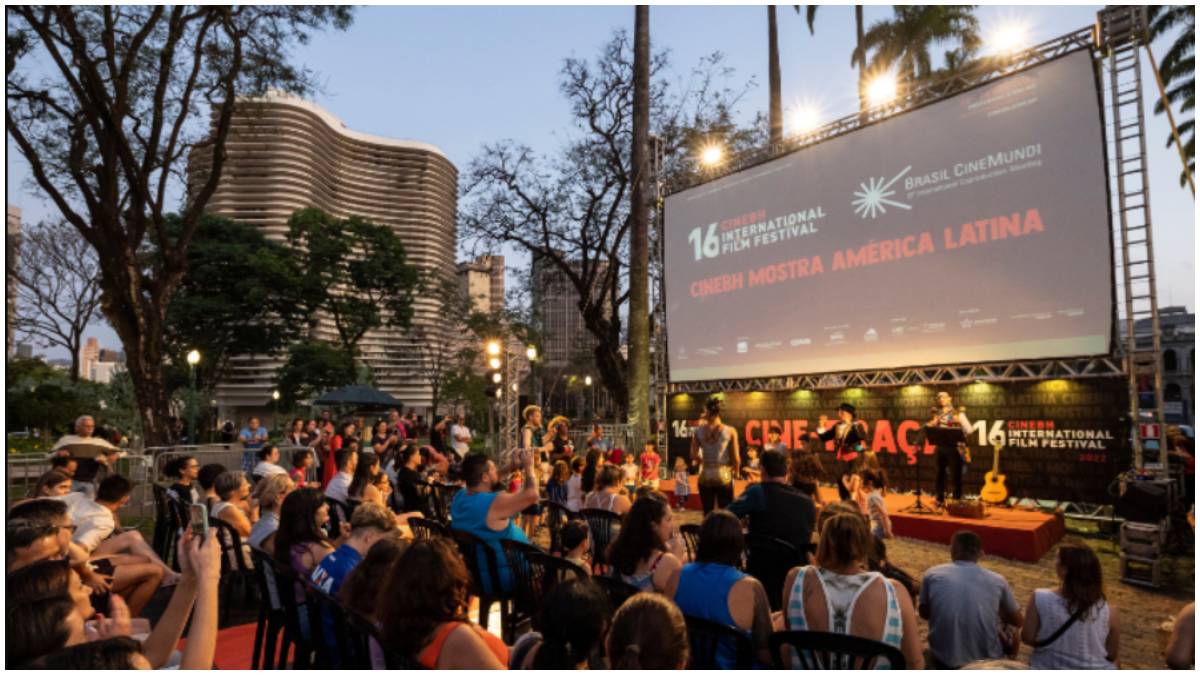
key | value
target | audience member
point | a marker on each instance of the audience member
(647, 552)
(233, 502)
(52, 484)
(423, 607)
(268, 461)
(877, 561)
(40, 529)
(369, 523)
(682, 484)
(714, 588)
(805, 473)
(460, 437)
(872, 487)
(184, 471)
(362, 486)
(413, 491)
(360, 588)
(607, 495)
(967, 607)
(592, 464)
(629, 473)
(301, 542)
(1072, 626)
(269, 495)
(338, 488)
(556, 489)
(577, 544)
(64, 463)
(87, 469)
(573, 621)
(34, 629)
(575, 484)
(114, 653)
(1181, 648)
(776, 509)
(838, 595)
(715, 450)
(252, 437)
(301, 461)
(487, 514)
(649, 461)
(207, 480)
(297, 436)
(648, 633)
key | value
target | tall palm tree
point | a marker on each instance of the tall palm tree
(906, 41)
(775, 112)
(859, 61)
(1178, 71)
(639, 250)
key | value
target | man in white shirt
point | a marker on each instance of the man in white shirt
(460, 437)
(268, 462)
(338, 488)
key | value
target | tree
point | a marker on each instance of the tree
(330, 256)
(906, 41)
(58, 288)
(858, 59)
(1178, 71)
(439, 348)
(40, 396)
(314, 367)
(106, 103)
(233, 302)
(774, 83)
(639, 237)
(571, 211)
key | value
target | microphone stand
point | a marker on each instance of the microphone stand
(918, 507)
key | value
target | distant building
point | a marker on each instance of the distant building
(111, 356)
(1177, 328)
(12, 257)
(284, 154)
(482, 281)
(103, 371)
(89, 356)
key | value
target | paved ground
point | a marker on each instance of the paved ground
(1141, 609)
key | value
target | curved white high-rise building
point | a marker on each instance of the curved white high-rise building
(285, 154)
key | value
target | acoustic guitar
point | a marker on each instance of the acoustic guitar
(993, 491)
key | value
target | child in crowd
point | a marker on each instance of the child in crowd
(556, 487)
(630, 472)
(576, 543)
(752, 472)
(575, 484)
(682, 488)
(649, 461)
(872, 485)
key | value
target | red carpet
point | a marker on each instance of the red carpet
(1008, 533)
(235, 647)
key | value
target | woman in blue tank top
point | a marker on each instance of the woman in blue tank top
(714, 588)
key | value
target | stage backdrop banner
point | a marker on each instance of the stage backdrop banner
(972, 229)
(1063, 439)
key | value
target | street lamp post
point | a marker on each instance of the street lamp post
(193, 358)
(275, 410)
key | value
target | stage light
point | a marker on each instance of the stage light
(804, 119)
(496, 377)
(493, 348)
(1008, 38)
(494, 362)
(881, 89)
(711, 155)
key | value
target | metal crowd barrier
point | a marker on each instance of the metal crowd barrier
(24, 470)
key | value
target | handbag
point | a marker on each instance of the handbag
(1061, 629)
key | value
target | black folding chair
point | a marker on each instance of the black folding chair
(362, 628)
(603, 526)
(557, 515)
(708, 640)
(482, 559)
(235, 568)
(550, 570)
(769, 560)
(424, 528)
(297, 629)
(691, 539)
(443, 494)
(617, 590)
(526, 592)
(271, 620)
(339, 512)
(816, 650)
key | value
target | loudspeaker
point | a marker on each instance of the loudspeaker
(1144, 501)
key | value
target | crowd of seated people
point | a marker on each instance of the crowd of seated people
(78, 584)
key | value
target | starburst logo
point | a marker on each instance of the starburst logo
(872, 197)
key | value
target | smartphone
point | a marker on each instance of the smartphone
(198, 520)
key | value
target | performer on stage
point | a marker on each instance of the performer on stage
(948, 457)
(849, 437)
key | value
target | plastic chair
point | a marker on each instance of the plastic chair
(551, 570)
(709, 639)
(474, 552)
(360, 625)
(603, 526)
(297, 629)
(526, 591)
(424, 528)
(816, 650)
(769, 560)
(443, 494)
(235, 568)
(691, 538)
(557, 515)
(271, 618)
(617, 590)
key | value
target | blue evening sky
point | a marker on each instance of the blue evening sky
(459, 77)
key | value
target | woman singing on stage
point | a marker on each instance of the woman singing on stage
(715, 447)
(849, 437)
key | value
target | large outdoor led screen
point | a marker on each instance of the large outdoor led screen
(973, 229)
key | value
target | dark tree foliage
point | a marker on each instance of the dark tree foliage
(106, 102)
(314, 367)
(1178, 71)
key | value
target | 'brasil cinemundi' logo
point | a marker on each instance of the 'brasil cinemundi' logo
(873, 197)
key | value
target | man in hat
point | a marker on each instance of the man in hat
(849, 437)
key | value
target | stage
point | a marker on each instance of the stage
(1008, 533)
